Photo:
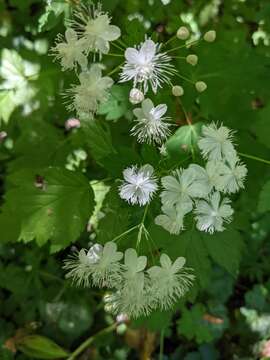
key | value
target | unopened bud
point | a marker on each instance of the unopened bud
(192, 59)
(177, 90)
(3, 135)
(135, 96)
(182, 33)
(200, 86)
(72, 123)
(210, 36)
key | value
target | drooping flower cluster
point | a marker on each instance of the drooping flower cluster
(195, 188)
(89, 31)
(135, 290)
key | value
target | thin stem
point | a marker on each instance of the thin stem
(178, 57)
(161, 347)
(115, 69)
(125, 233)
(141, 226)
(184, 46)
(117, 46)
(256, 158)
(89, 341)
(113, 54)
(184, 78)
(169, 40)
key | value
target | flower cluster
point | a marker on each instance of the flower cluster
(135, 290)
(88, 32)
(195, 188)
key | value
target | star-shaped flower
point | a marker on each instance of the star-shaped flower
(170, 281)
(139, 186)
(70, 52)
(151, 124)
(212, 213)
(92, 91)
(146, 65)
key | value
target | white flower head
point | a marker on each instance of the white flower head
(145, 64)
(151, 124)
(99, 265)
(211, 214)
(170, 281)
(216, 142)
(131, 297)
(182, 186)
(233, 174)
(95, 29)
(70, 52)
(92, 91)
(139, 185)
(172, 218)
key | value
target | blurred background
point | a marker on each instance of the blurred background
(41, 314)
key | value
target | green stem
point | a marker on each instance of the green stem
(125, 233)
(89, 341)
(141, 226)
(184, 78)
(115, 69)
(112, 54)
(255, 158)
(169, 40)
(195, 42)
(117, 46)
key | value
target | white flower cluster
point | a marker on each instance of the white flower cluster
(136, 290)
(89, 32)
(195, 188)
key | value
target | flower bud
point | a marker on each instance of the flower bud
(182, 33)
(3, 135)
(192, 59)
(200, 86)
(135, 96)
(177, 90)
(210, 36)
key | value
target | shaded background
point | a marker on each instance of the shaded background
(228, 313)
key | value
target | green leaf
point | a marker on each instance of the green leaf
(55, 209)
(53, 15)
(99, 140)
(184, 140)
(225, 249)
(264, 199)
(193, 326)
(6, 105)
(117, 104)
(40, 347)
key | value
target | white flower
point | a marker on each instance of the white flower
(208, 178)
(182, 187)
(94, 27)
(92, 90)
(136, 96)
(71, 52)
(131, 297)
(216, 143)
(139, 186)
(233, 174)
(170, 281)
(173, 217)
(211, 214)
(101, 264)
(151, 125)
(147, 65)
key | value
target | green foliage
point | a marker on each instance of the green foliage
(40, 347)
(52, 204)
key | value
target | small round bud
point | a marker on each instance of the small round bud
(210, 36)
(192, 59)
(121, 329)
(200, 86)
(177, 90)
(135, 96)
(182, 33)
